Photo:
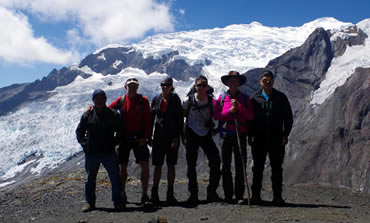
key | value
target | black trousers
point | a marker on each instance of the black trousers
(276, 153)
(230, 146)
(210, 149)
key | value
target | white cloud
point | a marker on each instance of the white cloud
(19, 45)
(102, 22)
(182, 11)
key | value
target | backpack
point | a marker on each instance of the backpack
(193, 104)
(221, 127)
(121, 102)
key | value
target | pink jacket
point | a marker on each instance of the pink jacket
(244, 113)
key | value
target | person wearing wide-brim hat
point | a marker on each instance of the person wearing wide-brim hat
(233, 74)
(229, 106)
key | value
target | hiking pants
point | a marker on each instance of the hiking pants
(230, 146)
(276, 153)
(110, 163)
(211, 151)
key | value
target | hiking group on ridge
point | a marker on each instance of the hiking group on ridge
(107, 135)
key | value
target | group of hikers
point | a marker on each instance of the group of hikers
(107, 135)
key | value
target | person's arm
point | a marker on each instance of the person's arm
(179, 116)
(245, 112)
(118, 127)
(153, 106)
(147, 120)
(288, 117)
(114, 104)
(217, 108)
(81, 131)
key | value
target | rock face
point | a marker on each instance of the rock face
(332, 142)
(113, 60)
(107, 61)
(339, 45)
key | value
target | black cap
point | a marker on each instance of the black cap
(267, 73)
(98, 92)
(168, 79)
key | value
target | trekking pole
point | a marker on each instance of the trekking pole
(243, 164)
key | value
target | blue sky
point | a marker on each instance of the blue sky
(39, 35)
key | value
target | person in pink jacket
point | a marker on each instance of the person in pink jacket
(229, 106)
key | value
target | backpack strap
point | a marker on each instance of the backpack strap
(245, 99)
(120, 104)
(223, 96)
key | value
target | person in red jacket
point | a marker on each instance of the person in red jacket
(136, 119)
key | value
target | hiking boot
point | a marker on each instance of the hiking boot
(278, 201)
(145, 199)
(256, 200)
(88, 207)
(120, 206)
(241, 201)
(193, 199)
(124, 197)
(213, 197)
(229, 200)
(155, 196)
(170, 198)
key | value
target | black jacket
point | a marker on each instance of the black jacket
(273, 119)
(99, 132)
(171, 120)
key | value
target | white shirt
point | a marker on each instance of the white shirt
(198, 117)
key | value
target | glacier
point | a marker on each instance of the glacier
(45, 130)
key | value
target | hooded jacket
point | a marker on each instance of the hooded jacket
(99, 132)
(273, 118)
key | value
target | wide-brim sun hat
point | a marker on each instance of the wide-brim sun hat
(231, 74)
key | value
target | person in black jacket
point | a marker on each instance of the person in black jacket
(167, 119)
(98, 133)
(268, 134)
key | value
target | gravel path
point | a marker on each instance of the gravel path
(59, 197)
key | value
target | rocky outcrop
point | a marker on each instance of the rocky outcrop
(113, 60)
(108, 61)
(15, 96)
(332, 142)
(353, 36)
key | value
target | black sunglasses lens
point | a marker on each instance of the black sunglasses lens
(201, 85)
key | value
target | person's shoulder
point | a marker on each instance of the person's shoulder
(86, 114)
(279, 93)
(110, 110)
(155, 98)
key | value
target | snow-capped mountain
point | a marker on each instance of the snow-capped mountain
(38, 120)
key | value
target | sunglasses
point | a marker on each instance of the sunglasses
(165, 85)
(267, 80)
(202, 85)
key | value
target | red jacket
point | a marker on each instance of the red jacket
(136, 116)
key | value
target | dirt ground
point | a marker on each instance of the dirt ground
(59, 198)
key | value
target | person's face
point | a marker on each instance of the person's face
(166, 87)
(99, 101)
(201, 86)
(266, 83)
(132, 87)
(233, 83)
